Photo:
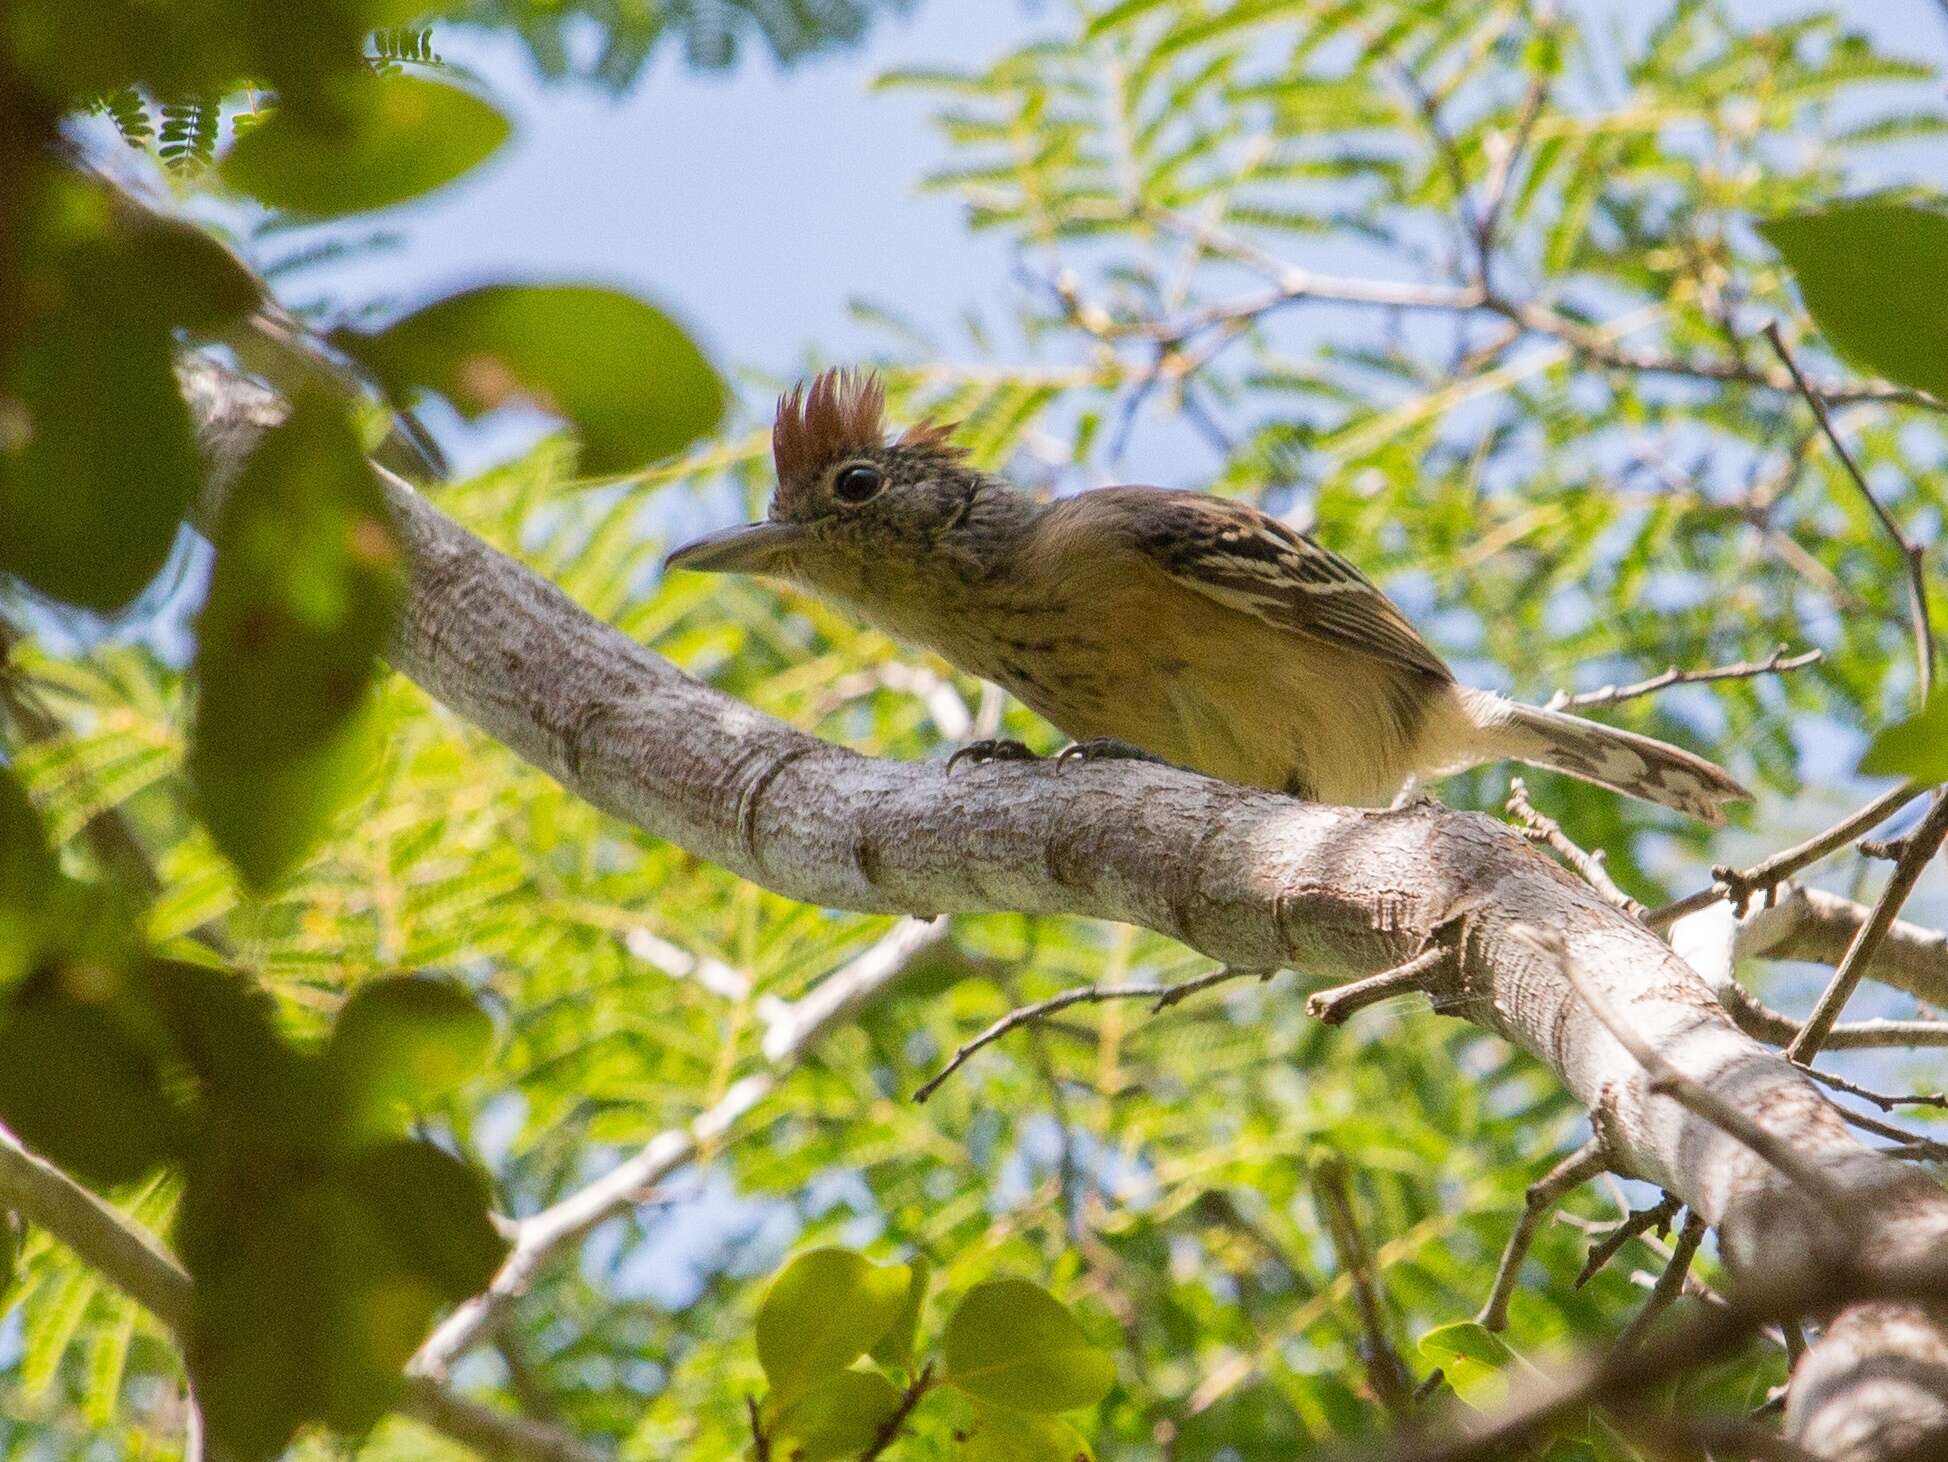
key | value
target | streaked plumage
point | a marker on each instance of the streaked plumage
(1195, 628)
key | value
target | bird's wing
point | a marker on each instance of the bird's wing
(1247, 560)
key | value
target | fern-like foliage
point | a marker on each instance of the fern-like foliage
(187, 142)
(128, 109)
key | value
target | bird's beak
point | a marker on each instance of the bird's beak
(753, 548)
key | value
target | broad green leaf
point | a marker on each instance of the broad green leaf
(401, 1042)
(895, 1347)
(825, 1309)
(1875, 279)
(1013, 1343)
(1473, 1359)
(434, 1211)
(27, 873)
(308, 576)
(396, 138)
(97, 459)
(998, 1435)
(331, 1282)
(619, 370)
(1916, 748)
(840, 1416)
(75, 1084)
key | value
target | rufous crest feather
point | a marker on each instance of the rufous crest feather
(843, 411)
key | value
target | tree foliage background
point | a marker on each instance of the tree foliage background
(1473, 292)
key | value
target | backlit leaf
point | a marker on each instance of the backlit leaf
(825, 1309)
(1013, 1343)
(620, 371)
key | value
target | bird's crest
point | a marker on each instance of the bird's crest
(842, 412)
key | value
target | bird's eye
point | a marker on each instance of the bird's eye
(857, 483)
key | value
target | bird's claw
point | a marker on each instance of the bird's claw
(980, 753)
(1105, 748)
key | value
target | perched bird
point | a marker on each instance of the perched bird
(1194, 629)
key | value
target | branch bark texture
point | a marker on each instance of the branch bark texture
(1250, 879)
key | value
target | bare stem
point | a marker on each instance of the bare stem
(1670, 1284)
(1160, 996)
(1391, 1381)
(1579, 1167)
(1777, 663)
(1339, 1003)
(1912, 558)
(1543, 829)
(1922, 844)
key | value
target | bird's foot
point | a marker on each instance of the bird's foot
(980, 753)
(1412, 796)
(1104, 748)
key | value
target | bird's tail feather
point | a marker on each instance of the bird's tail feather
(1637, 766)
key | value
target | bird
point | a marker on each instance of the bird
(1168, 624)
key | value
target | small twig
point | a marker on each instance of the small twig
(1777, 663)
(1886, 1101)
(1339, 1002)
(1762, 1023)
(1912, 557)
(1579, 1167)
(1922, 845)
(1538, 827)
(1162, 997)
(1739, 887)
(760, 1438)
(1670, 1284)
(1658, 1216)
(1912, 1144)
(1691, 1094)
(1391, 1381)
(890, 1429)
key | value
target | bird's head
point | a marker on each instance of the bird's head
(851, 506)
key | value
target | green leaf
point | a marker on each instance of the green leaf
(1875, 278)
(895, 1347)
(825, 1309)
(1916, 748)
(308, 577)
(1473, 1359)
(76, 1084)
(1013, 1343)
(331, 1282)
(97, 459)
(400, 1042)
(27, 875)
(433, 1209)
(619, 370)
(396, 137)
(1013, 1436)
(840, 1416)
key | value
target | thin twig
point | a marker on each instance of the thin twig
(1922, 844)
(890, 1429)
(1911, 1144)
(1670, 1284)
(1777, 663)
(1391, 1380)
(1658, 1216)
(1912, 558)
(1162, 997)
(1336, 1004)
(760, 1438)
(1886, 1101)
(1692, 1094)
(1740, 886)
(1579, 1167)
(1538, 827)
(1762, 1023)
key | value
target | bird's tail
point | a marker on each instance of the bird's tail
(1637, 766)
